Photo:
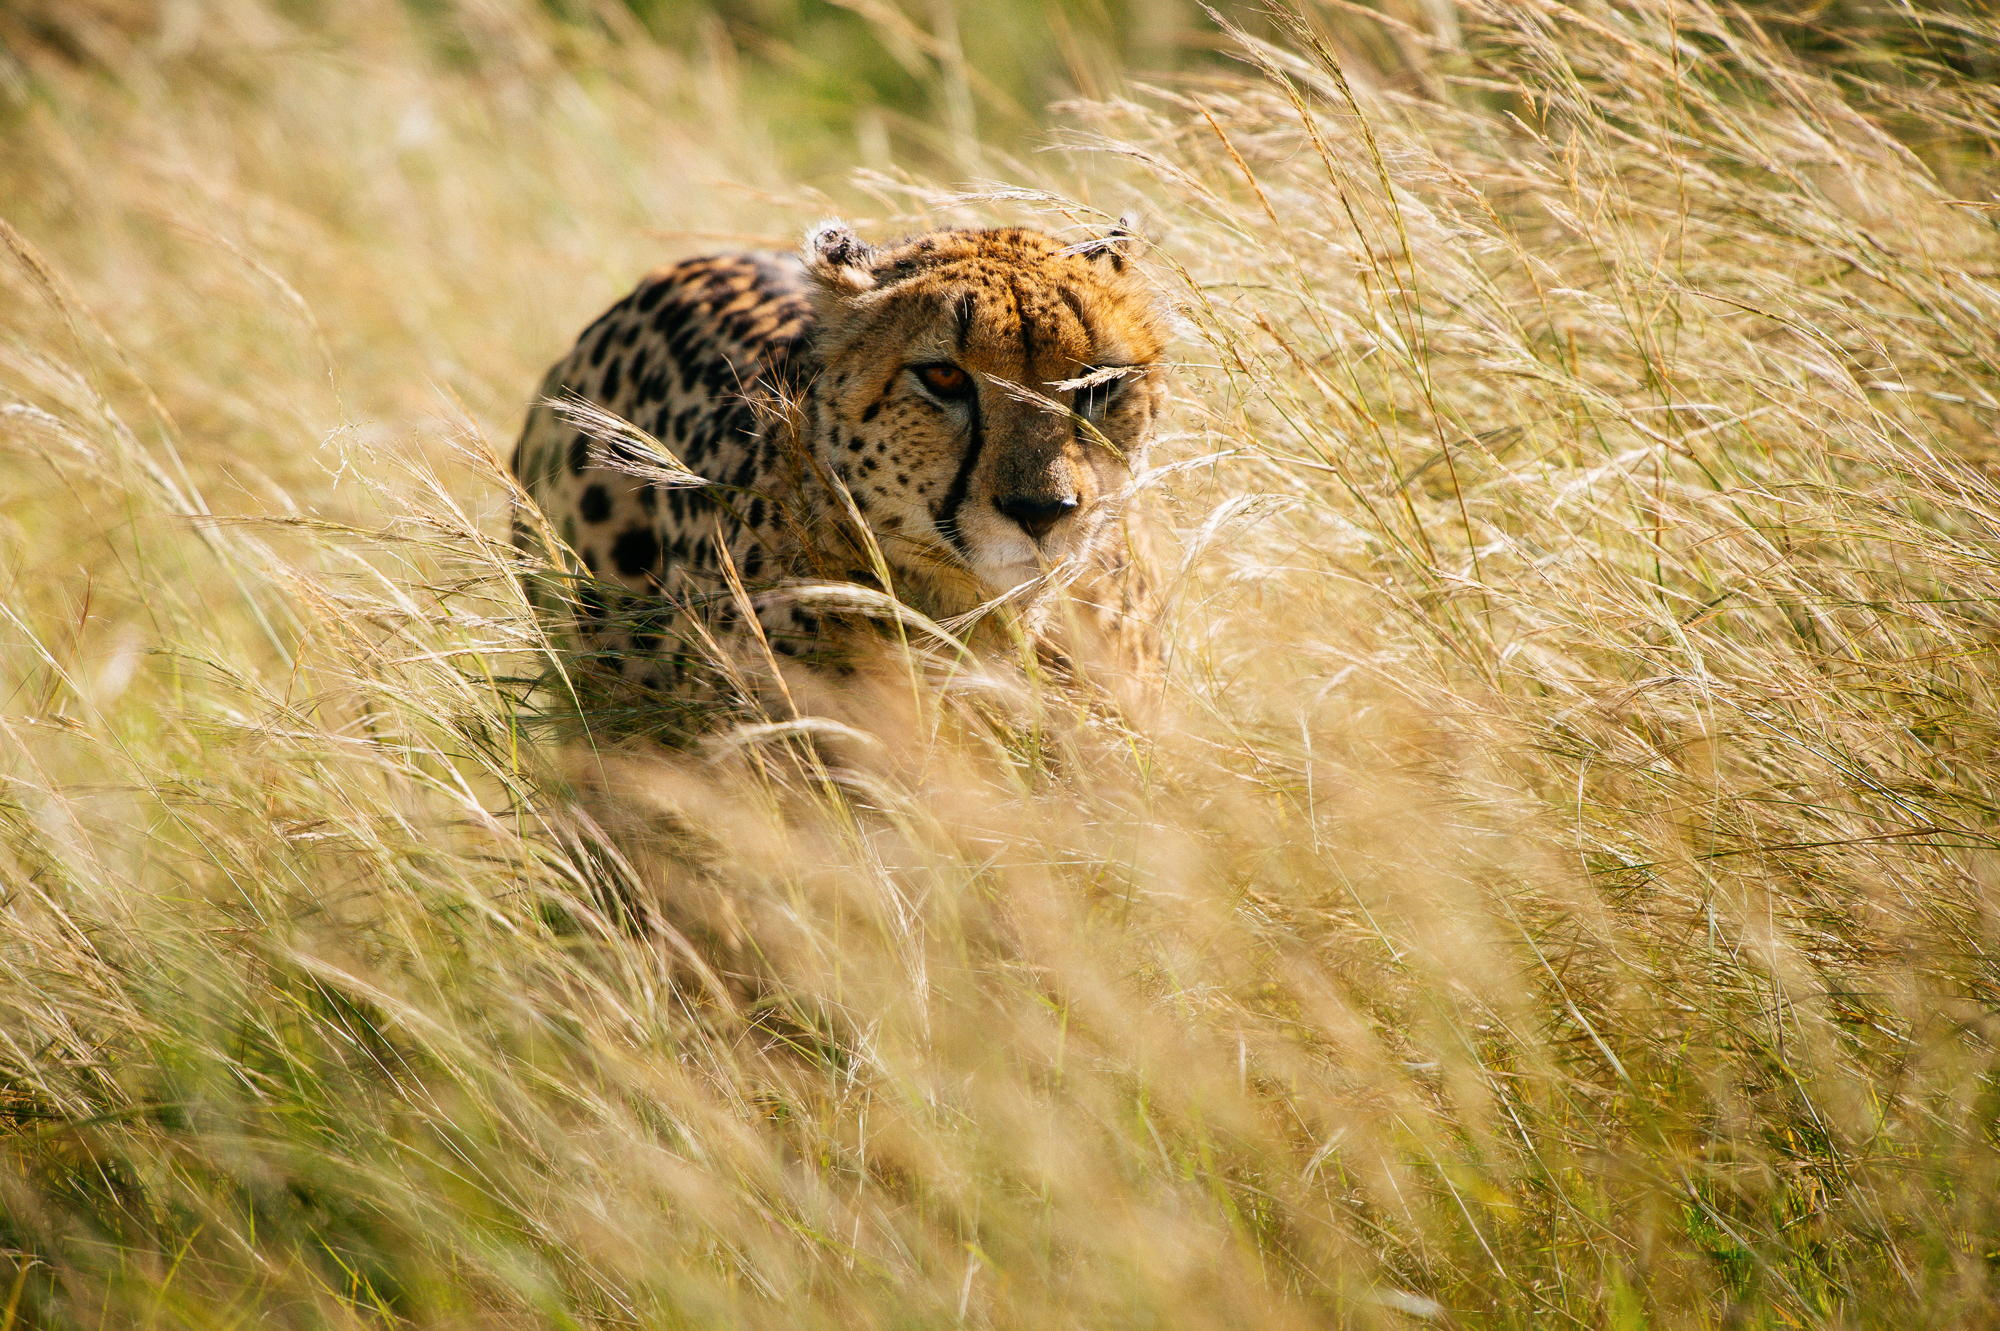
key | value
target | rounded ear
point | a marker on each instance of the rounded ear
(1115, 246)
(838, 259)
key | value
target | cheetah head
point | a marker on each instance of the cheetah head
(984, 395)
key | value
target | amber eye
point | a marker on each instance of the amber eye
(945, 379)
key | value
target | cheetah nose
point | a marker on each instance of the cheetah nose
(1035, 513)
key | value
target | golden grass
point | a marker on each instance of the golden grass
(1559, 890)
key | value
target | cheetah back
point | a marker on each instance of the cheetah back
(697, 356)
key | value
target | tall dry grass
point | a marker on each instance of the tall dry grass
(1559, 888)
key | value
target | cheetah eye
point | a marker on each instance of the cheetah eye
(945, 380)
(1093, 400)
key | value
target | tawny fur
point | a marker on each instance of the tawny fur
(800, 392)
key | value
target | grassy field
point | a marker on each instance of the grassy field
(1560, 886)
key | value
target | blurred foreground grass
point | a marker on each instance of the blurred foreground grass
(1560, 889)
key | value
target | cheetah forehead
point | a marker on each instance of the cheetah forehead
(998, 297)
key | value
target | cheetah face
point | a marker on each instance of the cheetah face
(984, 395)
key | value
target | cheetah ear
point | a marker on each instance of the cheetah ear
(838, 259)
(1116, 246)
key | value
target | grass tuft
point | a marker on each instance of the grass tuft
(1557, 888)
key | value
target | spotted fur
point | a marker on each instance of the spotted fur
(952, 417)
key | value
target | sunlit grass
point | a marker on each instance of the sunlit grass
(1555, 887)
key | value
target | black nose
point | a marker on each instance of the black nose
(1035, 514)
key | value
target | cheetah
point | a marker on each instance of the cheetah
(955, 419)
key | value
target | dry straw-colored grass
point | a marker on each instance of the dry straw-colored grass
(1559, 888)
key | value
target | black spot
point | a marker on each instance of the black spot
(871, 411)
(670, 320)
(579, 455)
(594, 504)
(614, 372)
(635, 552)
(649, 498)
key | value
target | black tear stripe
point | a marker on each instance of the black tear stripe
(954, 495)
